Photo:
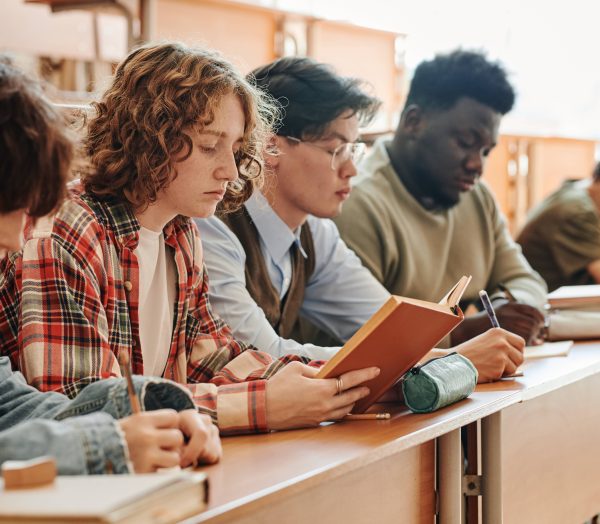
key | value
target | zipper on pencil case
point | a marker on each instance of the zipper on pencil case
(417, 369)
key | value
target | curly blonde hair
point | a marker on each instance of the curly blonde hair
(159, 91)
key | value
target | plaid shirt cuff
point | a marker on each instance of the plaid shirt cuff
(242, 408)
(235, 408)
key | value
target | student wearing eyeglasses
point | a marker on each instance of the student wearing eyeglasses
(279, 261)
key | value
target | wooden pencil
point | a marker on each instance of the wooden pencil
(126, 372)
(368, 416)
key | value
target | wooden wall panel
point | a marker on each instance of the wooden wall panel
(523, 170)
(496, 174)
(363, 53)
(34, 29)
(556, 159)
(245, 35)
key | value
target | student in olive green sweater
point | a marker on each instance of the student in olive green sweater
(419, 218)
(561, 239)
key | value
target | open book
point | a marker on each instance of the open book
(395, 338)
(156, 497)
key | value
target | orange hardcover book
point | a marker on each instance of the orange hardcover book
(395, 338)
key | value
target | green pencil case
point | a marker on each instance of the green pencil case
(438, 383)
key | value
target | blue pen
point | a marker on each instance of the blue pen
(489, 309)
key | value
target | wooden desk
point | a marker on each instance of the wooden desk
(543, 456)
(360, 471)
(538, 446)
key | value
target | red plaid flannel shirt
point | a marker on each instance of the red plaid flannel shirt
(69, 304)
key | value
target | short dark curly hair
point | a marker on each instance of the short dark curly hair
(439, 83)
(35, 146)
(311, 95)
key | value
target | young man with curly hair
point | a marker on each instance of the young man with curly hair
(279, 261)
(422, 218)
(83, 435)
(119, 267)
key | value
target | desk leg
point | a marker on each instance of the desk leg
(491, 436)
(450, 475)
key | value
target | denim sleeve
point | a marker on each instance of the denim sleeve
(110, 396)
(87, 439)
(20, 402)
(89, 444)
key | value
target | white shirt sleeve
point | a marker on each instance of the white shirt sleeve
(225, 261)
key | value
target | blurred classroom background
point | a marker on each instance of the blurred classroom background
(551, 135)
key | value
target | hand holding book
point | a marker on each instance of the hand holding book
(395, 339)
(297, 397)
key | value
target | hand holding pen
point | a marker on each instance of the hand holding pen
(522, 319)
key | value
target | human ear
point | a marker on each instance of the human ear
(272, 151)
(412, 120)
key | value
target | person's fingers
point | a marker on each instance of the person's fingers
(306, 371)
(163, 418)
(509, 368)
(522, 328)
(170, 439)
(194, 449)
(213, 449)
(204, 444)
(515, 340)
(525, 321)
(521, 314)
(515, 356)
(339, 414)
(536, 314)
(348, 397)
(165, 459)
(356, 377)
(205, 448)
(524, 310)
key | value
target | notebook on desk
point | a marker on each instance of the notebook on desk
(575, 297)
(548, 349)
(156, 498)
(545, 350)
(395, 338)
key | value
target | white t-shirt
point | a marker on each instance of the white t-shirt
(156, 300)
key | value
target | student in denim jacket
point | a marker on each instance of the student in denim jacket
(84, 435)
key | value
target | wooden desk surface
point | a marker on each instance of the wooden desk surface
(262, 466)
(544, 375)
